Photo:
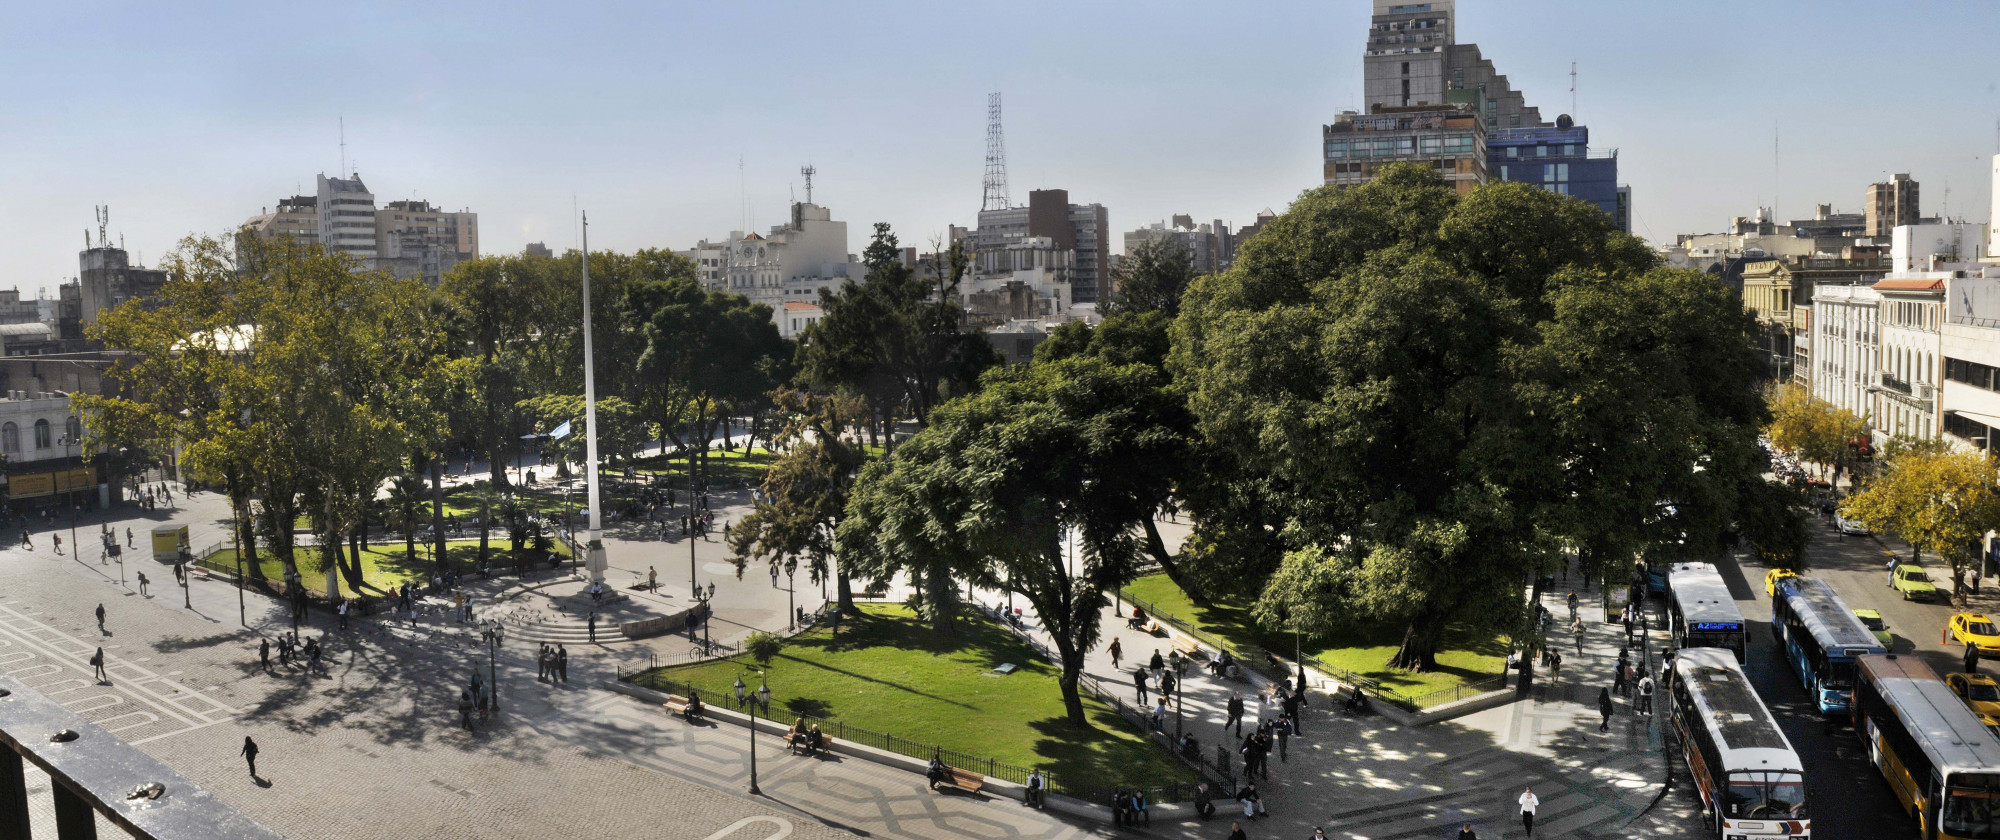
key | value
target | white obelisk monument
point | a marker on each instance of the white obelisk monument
(595, 561)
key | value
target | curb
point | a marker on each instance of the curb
(1052, 802)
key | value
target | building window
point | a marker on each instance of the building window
(1503, 172)
(1336, 148)
(1562, 172)
(1541, 150)
(10, 439)
(1513, 151)
(74, 429)
(42, 434)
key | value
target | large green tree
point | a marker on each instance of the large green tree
(986, 491)
(1152, 278)
(1410, 400)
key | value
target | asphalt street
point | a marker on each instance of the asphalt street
(1848, 796)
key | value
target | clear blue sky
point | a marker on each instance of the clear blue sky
(190, 117)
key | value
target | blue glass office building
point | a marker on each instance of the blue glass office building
(1559, 159)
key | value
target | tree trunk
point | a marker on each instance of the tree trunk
(1071, 662)
(1158, 548)
(938, 596)
(438, 556)
(485, 522)
(845, 590)
(410, 534)
(1419, 648)
(329, 547)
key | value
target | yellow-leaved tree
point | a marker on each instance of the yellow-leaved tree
(1940, 502)
(1813, 429)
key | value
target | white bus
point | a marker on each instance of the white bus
(1702, 611)
(1943, 764)
(1750, 779)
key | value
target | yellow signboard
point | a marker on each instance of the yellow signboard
(50, 483)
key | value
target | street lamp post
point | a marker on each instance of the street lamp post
(493, 639)
(791, 595)
(69, 485)
(703, 596)
(762, 698)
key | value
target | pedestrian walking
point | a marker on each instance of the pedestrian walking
(1975, 581)
(343, 613)
(1158, 663)
(249, 754)
(58, 539)
(1236, 832)
(97, 666)
(593, 626)
(774, 574)
(1529, 802)
(1646, 695)
(1235, 708)
(142, 585)
(264, 655)
(544, 662)
(1139, 683)
(1972, 659)
(1467, 833)
(1576, 626)
(1117, 652)
(1555, 667)
(562, 663)
(1284, 732)
(465, 710)
(128, 538)
(1293, 703)
(100, 618)
(1619, 677)
(1604, 708)
(653, 579)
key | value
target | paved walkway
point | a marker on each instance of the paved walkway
(1369, 778)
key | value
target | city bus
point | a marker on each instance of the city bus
(1821, 637)
(1702, 612)
(1943, 764)
(1751, 781)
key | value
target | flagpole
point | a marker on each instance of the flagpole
(596, 561)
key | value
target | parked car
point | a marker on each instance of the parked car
(1914, 583)
(1977, 690)
(1850, 527)
(1976, 629)
(1772, 577)
(1872, 619)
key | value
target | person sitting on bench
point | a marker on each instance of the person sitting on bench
(1357, 702)
(937, 773)
(1138, 618)
(815, 740)
(694, 706)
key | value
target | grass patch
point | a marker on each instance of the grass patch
(382, 565)
(887, 672)
(1464, 655)
(725, 466)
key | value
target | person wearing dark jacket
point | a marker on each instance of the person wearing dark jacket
(1604, 708)
(1235, 712)
(1467, 833)
(249, 754)
(1204, 801)
(1236, 832)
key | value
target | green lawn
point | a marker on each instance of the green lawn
(382, 565)
(887, 672)
(1466, 656)
(725, 466)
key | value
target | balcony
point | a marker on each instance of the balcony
(1894, 384)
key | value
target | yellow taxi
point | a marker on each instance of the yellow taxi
(1977, 630)
(1977, 690)
(1772, 577)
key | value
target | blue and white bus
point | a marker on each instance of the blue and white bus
(1821, 637)
(1702, 611)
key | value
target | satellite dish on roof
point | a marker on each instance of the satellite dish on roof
(1564, 122)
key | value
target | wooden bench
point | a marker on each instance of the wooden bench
(798, 744)
(1187, 647)
(966, 780)
(676, 705)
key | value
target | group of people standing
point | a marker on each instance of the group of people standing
(553, 662)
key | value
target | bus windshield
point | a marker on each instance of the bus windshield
(1838, 676)
(1972, 805)
(1766, 796)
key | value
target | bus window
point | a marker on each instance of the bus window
(1766, 796)
(1838, 676)
(1971, 805)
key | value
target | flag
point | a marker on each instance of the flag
(560, 432)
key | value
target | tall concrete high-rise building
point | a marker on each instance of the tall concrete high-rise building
(1083, 228)
(107, 280)
(417, 241)
(1431, 100)
(1891, 204)
(346, 216)
(296, 217)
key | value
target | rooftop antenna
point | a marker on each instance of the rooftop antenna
(1572, 89)
(808, 171)
(1777, 172)
(343, 146)
(103, 222)
(743, 193)
(995, 197)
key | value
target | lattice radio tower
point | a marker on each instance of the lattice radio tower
(996, 160)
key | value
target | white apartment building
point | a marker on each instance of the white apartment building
(1931, 245)
(1845, 327)
(347, 216)
(1969, 399)
(791, 263)
(1027, 277)
(1912, 314)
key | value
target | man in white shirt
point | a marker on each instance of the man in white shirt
(1646, 695)
(1529, 802)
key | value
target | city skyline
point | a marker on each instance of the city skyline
(1153, 115)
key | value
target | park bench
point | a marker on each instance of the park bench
(1187, 647)
(798, 745)
(966, 780)
(1152, 627)
(676, 705)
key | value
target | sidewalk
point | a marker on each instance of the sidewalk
(1369, 777)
